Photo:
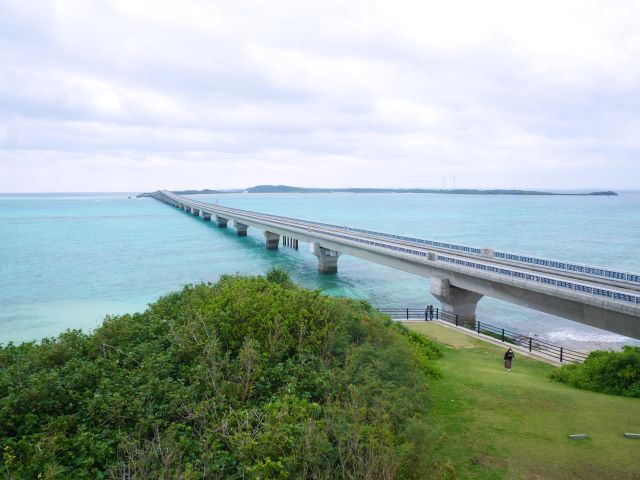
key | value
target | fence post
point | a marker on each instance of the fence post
(478, 325)
(456, 320)
(529, 343)
(561, 354)
(503, 335)
(407, 314)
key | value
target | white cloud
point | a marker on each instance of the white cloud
(120, 95)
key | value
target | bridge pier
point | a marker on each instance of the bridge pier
(241, 228)
(222, 222)
(327, 259)
(290, 242)
(187, 208)
(195, 211)
(206, 217)
(272, 240)
(454, 300)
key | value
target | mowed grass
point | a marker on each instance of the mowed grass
(495, 424)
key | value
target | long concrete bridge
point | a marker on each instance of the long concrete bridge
(459, 275)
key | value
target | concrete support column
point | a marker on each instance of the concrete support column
(290, 242)
(222, 222)
(241, 228)
(327, 259)
(196, 212)
(272, 239)
(454, 300)
(206, 216)
(187, 208)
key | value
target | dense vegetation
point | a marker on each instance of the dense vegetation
(251, 377)
(617, 373)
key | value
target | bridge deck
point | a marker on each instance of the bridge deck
(401, 241)
(425, 258)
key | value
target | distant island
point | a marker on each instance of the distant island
(461, 191)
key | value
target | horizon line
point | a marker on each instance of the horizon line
(241, 189)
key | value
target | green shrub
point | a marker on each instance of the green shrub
(279, 276)
(617, 373)
(251, 377)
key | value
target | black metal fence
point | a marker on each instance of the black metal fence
(411, 313)
(564, 355)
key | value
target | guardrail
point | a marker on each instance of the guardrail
(575, 286)
(583, 269)
(564, 355)
(571, 285)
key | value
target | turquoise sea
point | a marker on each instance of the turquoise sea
(67, 260)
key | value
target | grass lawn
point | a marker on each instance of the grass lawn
(497, 424)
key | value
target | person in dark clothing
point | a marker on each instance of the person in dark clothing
(508, 358)
(430, 312)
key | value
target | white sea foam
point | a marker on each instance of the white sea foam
(582, 336)
(585, 340)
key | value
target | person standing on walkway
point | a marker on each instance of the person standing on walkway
(508, 358)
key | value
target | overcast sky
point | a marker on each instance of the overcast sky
(132, 95)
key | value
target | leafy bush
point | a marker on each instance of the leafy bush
(251, 377)
(617, 373)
